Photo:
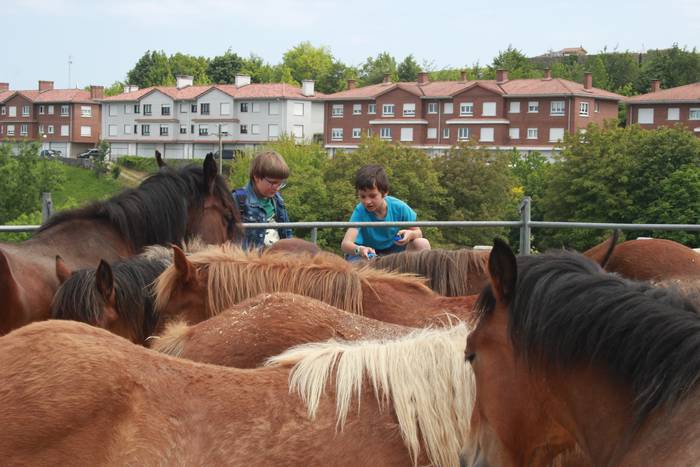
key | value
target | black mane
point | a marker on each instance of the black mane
(568, 311)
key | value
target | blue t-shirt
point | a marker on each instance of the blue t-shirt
(381, 238)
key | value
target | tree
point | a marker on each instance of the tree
(305, 61)
(259, 71)
(674, 67)
(189, 65)
(373, 70)
(408, 69)
(116, 88)
(622, 69)
(152, 69)
(517, 64)
(223, 69)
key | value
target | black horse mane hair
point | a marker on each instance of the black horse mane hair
(566, 311)
(78, 298)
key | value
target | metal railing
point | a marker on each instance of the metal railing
(525, 224)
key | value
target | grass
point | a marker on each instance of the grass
(82, 186)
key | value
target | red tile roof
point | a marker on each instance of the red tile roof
(64, 95)
(689, 92)
(250, 91)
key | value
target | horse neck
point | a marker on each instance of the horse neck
(397, 302)
(81, 242)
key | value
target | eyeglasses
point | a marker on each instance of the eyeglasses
(279, 185)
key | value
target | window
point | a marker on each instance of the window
(336, 134)
(432, 107)
(85, 111)
(646, 116)
(113, 130)
(41, 110)
(556, 134)
(298, 131)
(462, 134)
(694, 114)
(597, 107)
(256, 107)
(371, 108)
(137, 109)
(514, 107)
(225, 108)
(556, 108)
(25, 111)
(50, 129)
(183, 129)
(203, 130)
(146, 130)
(356, 132)
(299, 109)
(488, 109)
(113, 110)
(65, 130)
(147, 109)
(3, 110)
(204, 109)
(273, 131)
(10, 130)
(165, 109)
(193, 109)
(446, 133)
(385, 133)
(164, 130)
(448, 108)
(49, 110)
(532, 133)
(533, 107)
(432, 133)
(357, 109)
(64, 110)
(24, 129)
(191, 128)
(41, 129)
(274, 109)
(514, 133)
(583, 109)
(127, 129)
(486, 135)
(409, 110)
(13, 113)
(255, 129)
(466, 109)
(244, 129)
(183, 108)
(674, 113)
(244, 107)
(406, 134)
(388, 110)
(369, 132)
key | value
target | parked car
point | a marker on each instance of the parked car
(94, 152)
(50, 153)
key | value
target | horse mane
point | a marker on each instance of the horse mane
(235, 274)
(567, 310)
(448, 271)
(423, 375)
(78, 298)
(172, 340)
(156, 212)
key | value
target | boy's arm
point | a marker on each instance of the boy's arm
(349, 247)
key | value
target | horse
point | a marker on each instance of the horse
(73, 394)
(653, 259)
(451, 273)
(293, 246)
(208, 282)
(245, 335)
(598, 359)
(168, 207)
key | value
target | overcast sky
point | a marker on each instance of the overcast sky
(105, 39)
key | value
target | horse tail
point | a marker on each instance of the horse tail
(172, 341)
(611, 248)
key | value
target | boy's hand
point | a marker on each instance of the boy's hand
(365, 251)
(406, 236)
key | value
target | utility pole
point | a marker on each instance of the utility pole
(70, 62)
(220, 134)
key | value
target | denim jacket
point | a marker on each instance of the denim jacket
(252, 211)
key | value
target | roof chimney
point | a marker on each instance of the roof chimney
(387, 78)
(45, 86)
(587, 80)
(307, 87)
(182, 81)
(97, 92)
(352, 84)
(655, 85)
(4, 87)
(423, 77)
(547, 73)
(463, 75)
(242, 80)
(130, 88)
(501, 75)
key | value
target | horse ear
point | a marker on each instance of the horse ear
(62, 271)
(503, 270)
(104, 281)
(186, 270)
(210, 173)
(159, 159)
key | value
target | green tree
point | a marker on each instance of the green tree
(116, 88)
(517, 64)
(152, 69)
(189, 65)
(622, 69)
(674, 67)
(223, 69)
(373, 70)
(259, 71)
(408, 69)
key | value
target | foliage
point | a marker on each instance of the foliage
(141, 164)
(189, 65)
(674, 67)
(517, 64)
(31, 218)
(152, 69)
(116, 88)
(408, 69)
(259, 71)
(223, 69)
(373, 70)
(100, 160)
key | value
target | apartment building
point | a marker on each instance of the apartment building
(186, 121)
(666, 107)
(526, 114)
(67, 120)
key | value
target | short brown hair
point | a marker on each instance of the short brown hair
(371, 176)
(269, 164)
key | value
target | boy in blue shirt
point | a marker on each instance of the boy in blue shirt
(372, 185)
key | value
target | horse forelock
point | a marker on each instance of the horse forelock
(422, 375)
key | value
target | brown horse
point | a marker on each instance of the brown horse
(168, 207)
(245, 335)
(293, 246)
(73, 394)
(210, 281)
(653, 259)
(452, 273)
(610, 363)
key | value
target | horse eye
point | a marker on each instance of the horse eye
(469, 356)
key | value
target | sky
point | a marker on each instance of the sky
(106, 39)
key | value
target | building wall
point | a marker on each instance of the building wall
(18, 102)
(661, 116)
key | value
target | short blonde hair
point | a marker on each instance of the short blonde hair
(269, 164)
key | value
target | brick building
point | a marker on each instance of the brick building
(666, 107)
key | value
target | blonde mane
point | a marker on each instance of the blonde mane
(235, 275)
(423, 375)
(172, 339)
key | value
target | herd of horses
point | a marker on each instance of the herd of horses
(136, 331)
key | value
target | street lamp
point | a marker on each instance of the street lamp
(220, 134)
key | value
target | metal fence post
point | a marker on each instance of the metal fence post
(314, 235)
(46, 207)
(524, 208)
